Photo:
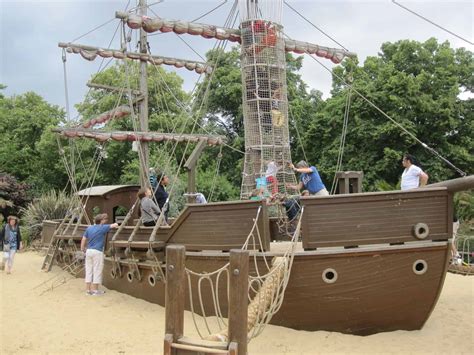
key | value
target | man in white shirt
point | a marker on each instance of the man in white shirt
(412, 176)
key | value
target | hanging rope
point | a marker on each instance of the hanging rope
(266, 290)
(218, 164)
(433, 23)
(185, 109)
(316, 27)
(424, 145)
(343, 140)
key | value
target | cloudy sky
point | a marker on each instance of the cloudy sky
(30, 30)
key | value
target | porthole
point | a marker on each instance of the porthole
(113, 273)
(130, 276)
(329, 276)
(421, 230)
(152, 280)
(420, 267)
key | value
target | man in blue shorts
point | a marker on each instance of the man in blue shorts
(92, 244)
(309, 179)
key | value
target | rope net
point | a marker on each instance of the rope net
(268, 280)
(265, 108)
(270, 10)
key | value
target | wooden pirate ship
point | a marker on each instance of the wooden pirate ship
(358, 263)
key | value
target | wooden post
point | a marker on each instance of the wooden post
(190, 165)
(175, 291)
(238, 299)
(143, 106)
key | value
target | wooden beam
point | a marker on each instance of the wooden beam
(238, 299)
(175, 291)
(190, 165)
(90, 53)
(101, 135)
(456, 185)
(113, 88)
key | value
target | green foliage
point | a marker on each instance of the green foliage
(49, 206)
(382, 185)
(121, 163)
(464, 206)
(13, 195)
(417, 84)
(26, 140)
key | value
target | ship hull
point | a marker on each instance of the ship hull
(375, 291)
(372, 271)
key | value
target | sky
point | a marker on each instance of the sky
(30, 59)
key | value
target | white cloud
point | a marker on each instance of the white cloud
(30, 30)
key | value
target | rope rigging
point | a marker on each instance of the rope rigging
(432, 22)
(342, 141)
(352, 88)
(424, 145)
(266, 287)
(312, 24)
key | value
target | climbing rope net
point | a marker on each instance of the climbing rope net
(267, 284)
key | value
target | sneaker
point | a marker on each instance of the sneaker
(88, 293)
(98, 293)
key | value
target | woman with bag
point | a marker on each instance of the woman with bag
(10, 242)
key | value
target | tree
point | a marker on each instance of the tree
(13, 195)
(25, 123)
(418, 85)
(165, 115)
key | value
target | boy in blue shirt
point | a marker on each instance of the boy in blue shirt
(309, 179)
(92, 244)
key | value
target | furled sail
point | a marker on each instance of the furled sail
(118, 112)
(151, 25)
(90, 53)
(131, 136)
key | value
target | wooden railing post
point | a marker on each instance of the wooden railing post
(238, 299)
(175, 291)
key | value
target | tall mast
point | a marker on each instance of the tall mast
(143, 106)
(264, 96)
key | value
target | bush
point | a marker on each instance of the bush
(52, 205)
(464, 206)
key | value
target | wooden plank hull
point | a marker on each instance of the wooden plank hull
(361, 269)
(375, 291)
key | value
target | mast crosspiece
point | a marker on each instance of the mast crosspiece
(90, 53)
(151, 25)
(131, 136)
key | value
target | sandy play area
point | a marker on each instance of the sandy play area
(66, 321)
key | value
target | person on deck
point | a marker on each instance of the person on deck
(149, 211)
(309, 179)
(200, 198)
(412, 176)
(161, 196)
(10, 242)
(92, 244)
(257, 194)
(293, 206)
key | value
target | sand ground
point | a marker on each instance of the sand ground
(66, 321)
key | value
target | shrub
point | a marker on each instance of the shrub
(51, 205)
